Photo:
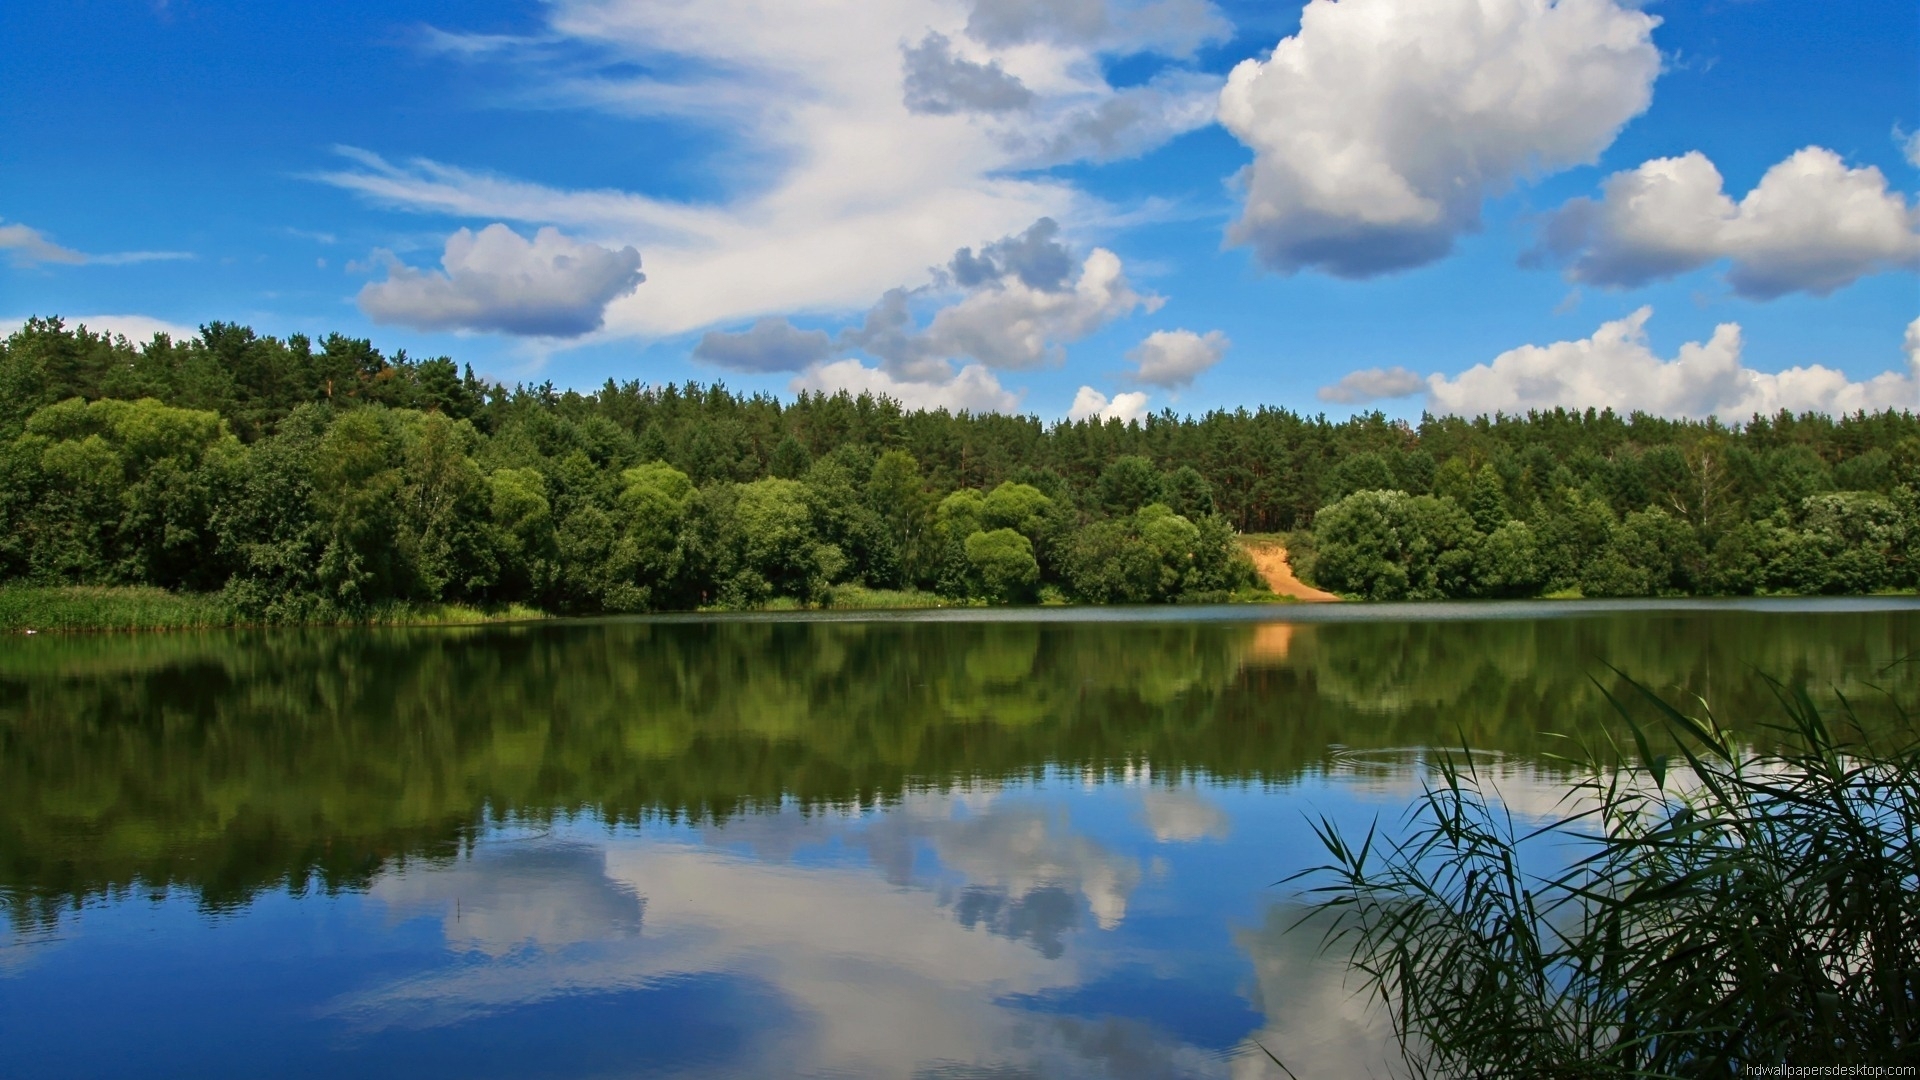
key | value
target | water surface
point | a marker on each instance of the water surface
(939, 845)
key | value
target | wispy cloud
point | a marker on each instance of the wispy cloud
(27, 246)
(870, 161)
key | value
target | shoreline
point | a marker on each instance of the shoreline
(97, 619)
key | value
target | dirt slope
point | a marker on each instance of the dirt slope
(1271, 561)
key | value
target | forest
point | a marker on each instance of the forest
(300, 481)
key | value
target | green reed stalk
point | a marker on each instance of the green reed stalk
(1721, 910)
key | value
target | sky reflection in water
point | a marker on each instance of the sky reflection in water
(1055, 857)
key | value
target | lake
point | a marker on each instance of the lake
(977, 844)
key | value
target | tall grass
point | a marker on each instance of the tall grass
(108, 608)
(85, 608)
(1710, 909)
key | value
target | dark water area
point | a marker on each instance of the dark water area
(976, 844)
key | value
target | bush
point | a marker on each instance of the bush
(1389, 545)
(1004, 565)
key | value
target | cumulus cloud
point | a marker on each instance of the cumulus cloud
(1382, 126)
(771, 345)
(1037, 257)
(1909, 145)
(972, 389)
(26, 246)
(1811, 225)
(1015, 325)
(939, 82)
(1616, 368)
(1023, 304)
(1174, 358)
(1374, 384)
(496, 280)
(1091, 404)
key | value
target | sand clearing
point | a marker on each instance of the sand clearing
(1271, 561)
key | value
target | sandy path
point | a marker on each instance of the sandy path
(1271, 561)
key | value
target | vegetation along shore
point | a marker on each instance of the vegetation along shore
(237, 478)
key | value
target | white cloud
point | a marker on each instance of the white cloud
(1171, 27)
(26, 246)
(1616, 368)
(550, 286)
(939, 81)
(1014, 325)
(1022, 305)
(848, 191)
(1181, 814)
(1091, 404)
(1909, 145)
(1121, 124)
(1811, 225)
(1174, 358)
(1374, 384)
(138, 329)
(1380, 128)
(771, 345)
(973, 388)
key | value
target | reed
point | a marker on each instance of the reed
(1709, 908)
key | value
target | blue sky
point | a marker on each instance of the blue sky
(1458, 205)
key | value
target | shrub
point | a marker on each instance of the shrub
(1004, 565)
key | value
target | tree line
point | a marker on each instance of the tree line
(304, 479)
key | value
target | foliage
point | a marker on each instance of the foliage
(303, 480)
(1717, 908)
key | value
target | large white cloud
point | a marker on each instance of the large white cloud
(849, 189)
(1812, 224)
(1174, 358)
(1615, 368)
(1380, 128)
(550, 286)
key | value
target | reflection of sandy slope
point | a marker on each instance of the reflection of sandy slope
(884, 979)
(1319, 1021)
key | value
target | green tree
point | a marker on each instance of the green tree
(1128, 484)
(1004, 565)
(1388, 545)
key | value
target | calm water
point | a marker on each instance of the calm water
(908, 847)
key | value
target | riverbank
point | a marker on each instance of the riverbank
(83, 608)
(103, 608)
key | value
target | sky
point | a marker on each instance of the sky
(1055, 207)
